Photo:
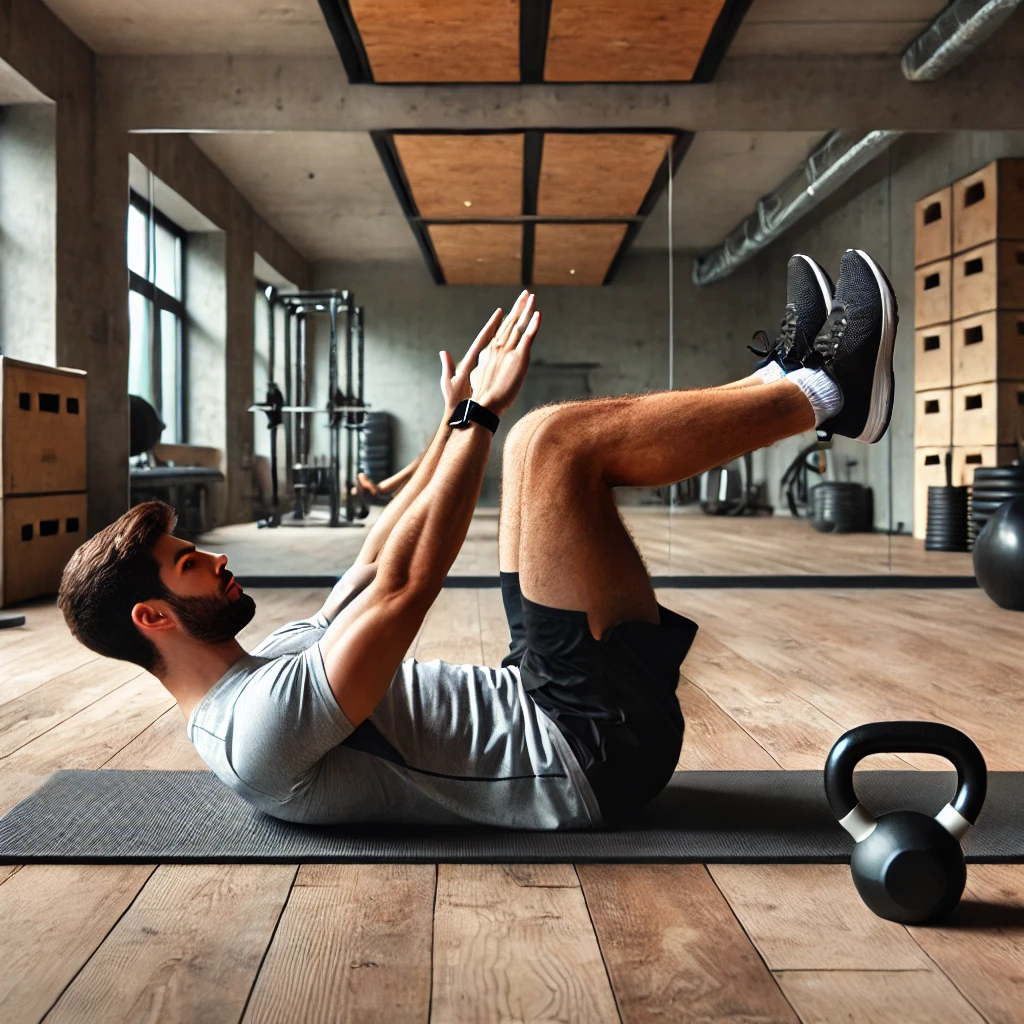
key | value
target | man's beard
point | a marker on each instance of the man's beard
(213, 620)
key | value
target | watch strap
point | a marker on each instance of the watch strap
(468, 411)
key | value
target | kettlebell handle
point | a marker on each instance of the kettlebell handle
(910, 738)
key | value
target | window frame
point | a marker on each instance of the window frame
(160, 301)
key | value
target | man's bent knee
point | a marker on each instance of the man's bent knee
(517, 444)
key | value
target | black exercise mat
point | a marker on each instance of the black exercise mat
(765, 816)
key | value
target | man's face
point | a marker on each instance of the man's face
(204, 595)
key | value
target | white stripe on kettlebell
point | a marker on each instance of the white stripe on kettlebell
(859, 823)
(953, 821)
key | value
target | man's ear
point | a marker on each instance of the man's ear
(151, 616)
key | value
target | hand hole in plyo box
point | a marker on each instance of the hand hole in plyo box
(974, 193)
(49, 527)
(931, 460)
(26, 532)
(72, 406)
(931, 281)
(972, 401)
(973, 460)
(975, 266)
(932, 213)
(931, 405)
(71, 526)
(974, 335)
(48, 402)
(25, 401)
(931, 342)
(1020, 257)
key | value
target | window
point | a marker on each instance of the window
(156, 314)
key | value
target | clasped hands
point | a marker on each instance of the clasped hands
(494, 368)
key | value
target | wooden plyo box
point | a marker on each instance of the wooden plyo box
(988, 414)
(988, 346)
(43, 421)
(933, 230)
(988, 277)
(989, 204)
(933, 418)
(933, 360)
(37, 537)
(932, 293)
(967, 460)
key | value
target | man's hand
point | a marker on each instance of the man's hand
(507, 358)
(455, 380)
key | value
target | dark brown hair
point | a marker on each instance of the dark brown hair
(111, 573)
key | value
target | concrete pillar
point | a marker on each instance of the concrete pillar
(238, 392)
(205, 288)
(28, 232)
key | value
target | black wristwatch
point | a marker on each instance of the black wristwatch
(468, 411)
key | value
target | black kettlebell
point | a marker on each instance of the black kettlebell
(907, 866)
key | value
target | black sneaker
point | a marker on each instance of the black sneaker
(808, 301)
(855, 348)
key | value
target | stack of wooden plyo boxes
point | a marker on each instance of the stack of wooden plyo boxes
(968, 328)
(42, 476)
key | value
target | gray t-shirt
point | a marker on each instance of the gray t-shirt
(447, 744)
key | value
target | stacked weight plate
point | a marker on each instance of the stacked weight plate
(994, 485)
(839, 507)
(375, 446)
(947, 519)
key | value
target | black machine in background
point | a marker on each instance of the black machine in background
(184, 488)
(795, 483)
(731, 491)
(291, 408)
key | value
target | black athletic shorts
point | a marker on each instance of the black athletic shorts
(614, 699)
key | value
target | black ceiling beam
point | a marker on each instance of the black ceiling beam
(729, 20)
(347, 40)
(533, 150)
(658, 185)
(534, 19)
(384, 143)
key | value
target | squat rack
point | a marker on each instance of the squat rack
(343, 408)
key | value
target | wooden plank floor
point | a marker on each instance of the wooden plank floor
(682, 544)
(773, 679)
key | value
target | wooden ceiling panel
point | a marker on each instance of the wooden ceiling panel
(597, 175)
(479, 253)
(612, 41)
(575, 253)
(429, 41)
(447, 172)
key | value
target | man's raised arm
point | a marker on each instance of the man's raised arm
(364, 646)
(454, 387)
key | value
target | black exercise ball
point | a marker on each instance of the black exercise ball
(999, 556)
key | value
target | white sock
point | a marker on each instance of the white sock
(821, 390)
(770, 373)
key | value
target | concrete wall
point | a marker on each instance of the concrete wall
(614, 337)
(28, 232)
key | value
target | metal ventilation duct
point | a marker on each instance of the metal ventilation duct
(957, 31)
(951, 37)
(834, 160)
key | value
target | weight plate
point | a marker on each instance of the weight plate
(999, 473)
